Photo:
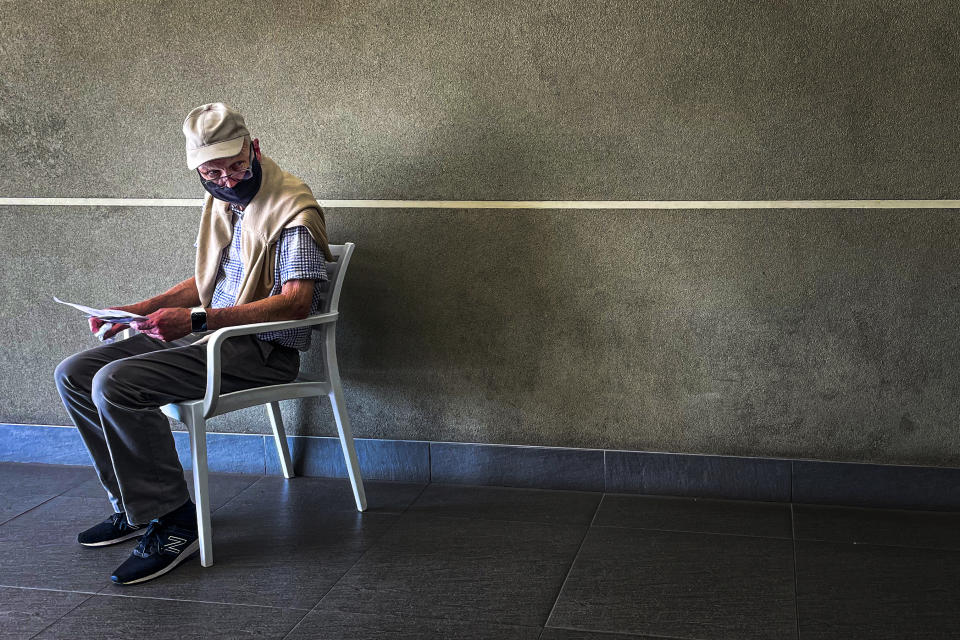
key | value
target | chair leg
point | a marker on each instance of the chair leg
(280, 438)
(197, 427)
(343, 423)
(346, 443)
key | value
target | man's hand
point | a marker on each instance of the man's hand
(167, 324)
(96, 323)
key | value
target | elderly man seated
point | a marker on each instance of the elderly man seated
(261, 248)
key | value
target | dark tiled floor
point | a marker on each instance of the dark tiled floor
(294, 559)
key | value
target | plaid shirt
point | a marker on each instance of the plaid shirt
(298, 258)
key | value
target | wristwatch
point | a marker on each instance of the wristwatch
(198, 319)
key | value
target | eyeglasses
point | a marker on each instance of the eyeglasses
(218, 175)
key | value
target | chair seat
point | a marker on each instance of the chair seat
(250, 397)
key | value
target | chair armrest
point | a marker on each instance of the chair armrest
(217, 337)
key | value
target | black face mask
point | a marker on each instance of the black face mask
(241, 193)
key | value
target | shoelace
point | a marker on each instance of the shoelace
(119, 521)
(150, 542)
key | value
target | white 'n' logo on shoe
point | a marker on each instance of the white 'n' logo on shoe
(175, 544)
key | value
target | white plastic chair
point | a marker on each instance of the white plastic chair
(195, 413)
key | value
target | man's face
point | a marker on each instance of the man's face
(228, 172)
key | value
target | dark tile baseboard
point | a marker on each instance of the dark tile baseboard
(876, 485)
(704, 476)
(720, 477)
(517, 466)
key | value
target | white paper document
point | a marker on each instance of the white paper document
(113, 316)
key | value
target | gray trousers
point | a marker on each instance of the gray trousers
(113, 393)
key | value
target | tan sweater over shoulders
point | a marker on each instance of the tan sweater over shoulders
(282, 201)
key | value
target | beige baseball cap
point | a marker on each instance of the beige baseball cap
(213, 131)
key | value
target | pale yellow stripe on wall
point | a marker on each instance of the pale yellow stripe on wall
(516, 204)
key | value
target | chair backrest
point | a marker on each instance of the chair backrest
(336, 271)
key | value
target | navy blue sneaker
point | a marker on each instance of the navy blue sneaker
(164, 545)
(111, 531)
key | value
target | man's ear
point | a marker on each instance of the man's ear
(256, 147)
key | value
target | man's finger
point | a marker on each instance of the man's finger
(115, 329)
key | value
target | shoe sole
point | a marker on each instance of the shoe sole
(186, 554)
(135, 534)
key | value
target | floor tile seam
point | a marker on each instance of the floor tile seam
(596, 513)
(373, 543)
(758, 501)
(573, 563)
(237, 495)
(880, 545)
(414, 501)
(770, 503)
(65, 614)
(611, 493)
(61, 495)
(796, 579)
(461, 485)
(296, 624)
(678, 498)
(248, 605)
(524, 487)
(17, 586)
(420, 616)
(868, 507)
(70, 488)
(372, 548)
(504, 520)
(36, 506)
(618, 634)
(706, 533)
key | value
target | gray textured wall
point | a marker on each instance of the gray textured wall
(802, 333)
